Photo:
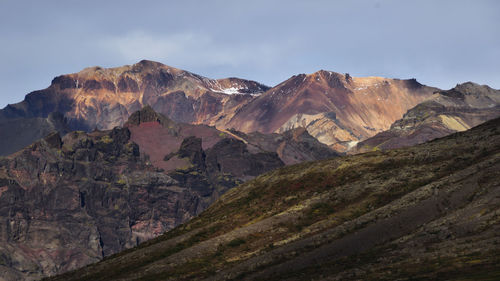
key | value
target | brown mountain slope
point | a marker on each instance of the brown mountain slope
(427, 212)
(335, 108)
(105, 97)
(66, 202)
(463, 107)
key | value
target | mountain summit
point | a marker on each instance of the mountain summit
(104, 97)
(337, 109)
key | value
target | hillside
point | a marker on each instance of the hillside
(427, 212)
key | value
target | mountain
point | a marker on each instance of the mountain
(427, 212)
(339, 110)
(103, 98)
(461, 108)
(20, 132)
(66, 202)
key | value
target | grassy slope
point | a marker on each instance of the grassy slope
(429, 211)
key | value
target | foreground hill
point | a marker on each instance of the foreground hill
(461, 108)
(66, 202)
(425, 212)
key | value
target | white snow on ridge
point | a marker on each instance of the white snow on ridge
(228, 91)
(233, 91)
(351, 144)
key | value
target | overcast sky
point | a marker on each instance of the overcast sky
(441, 43)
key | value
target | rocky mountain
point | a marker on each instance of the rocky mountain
(339, 110)
(427, 212)
(66, 202)
(20, 132)
(103, 98)
(461, 108)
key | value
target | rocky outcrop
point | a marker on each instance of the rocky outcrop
(461, 108)
(231, 156)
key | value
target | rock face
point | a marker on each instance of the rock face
(21, 132)
(337, 109)
(427, 212)
(66, 202)
(461, 108)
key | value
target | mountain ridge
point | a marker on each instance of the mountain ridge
(103, 98)
(335, 108)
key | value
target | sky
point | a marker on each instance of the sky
(440, 43)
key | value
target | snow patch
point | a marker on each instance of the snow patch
(351, 144)
(234, 91)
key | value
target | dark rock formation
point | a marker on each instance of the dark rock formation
(66, 202)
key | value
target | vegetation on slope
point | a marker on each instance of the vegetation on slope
(430, 211)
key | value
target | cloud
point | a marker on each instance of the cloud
(189, 49)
